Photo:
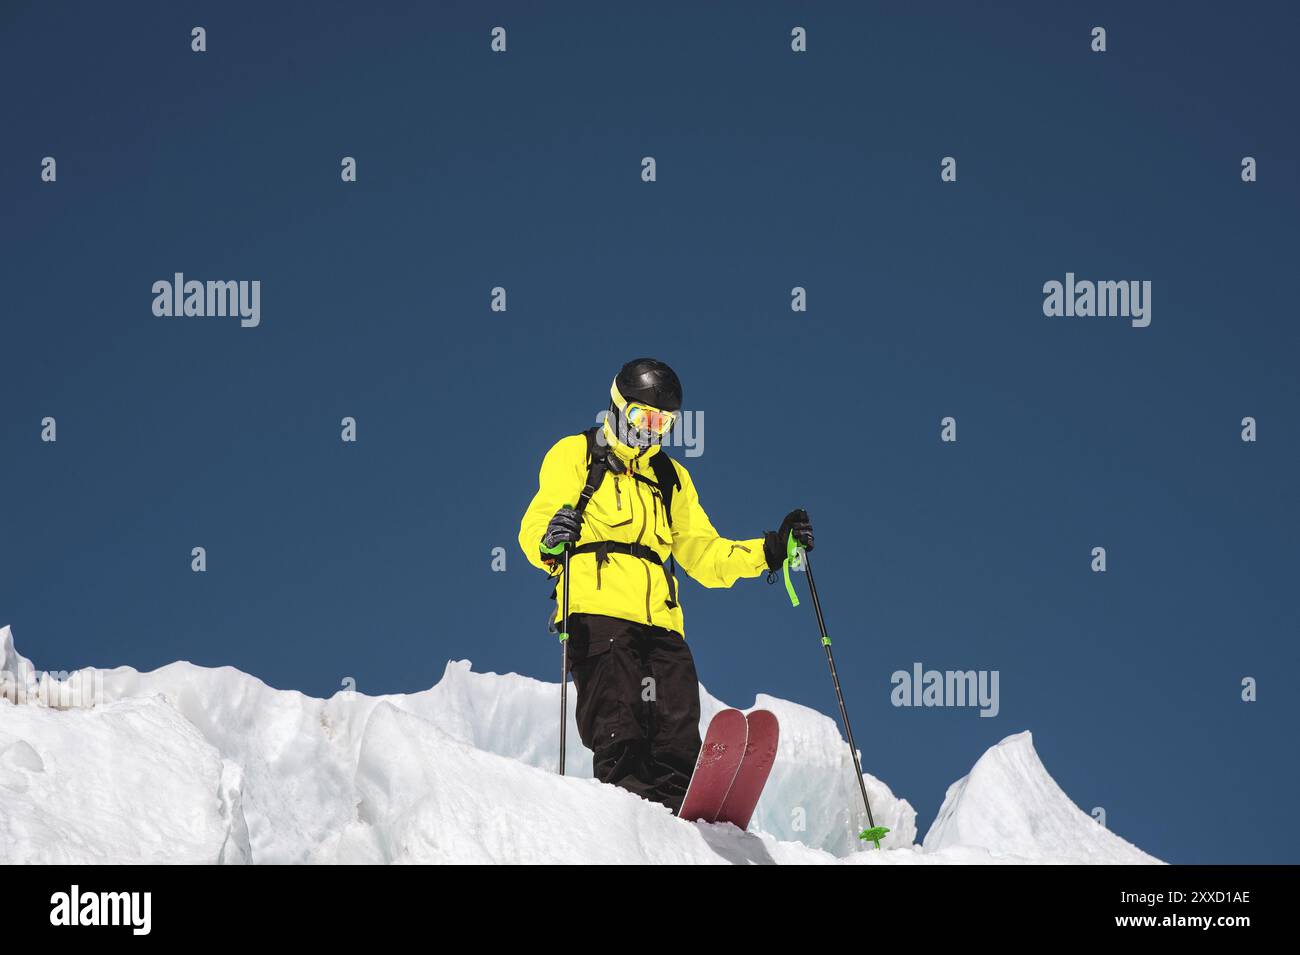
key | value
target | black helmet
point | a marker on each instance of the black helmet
(644, 381)
(651, 381)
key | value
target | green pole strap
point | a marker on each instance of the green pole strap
(563, 637)
(792, 556)
(874, 835)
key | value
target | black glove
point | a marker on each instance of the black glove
(774, 541)
(565, 528)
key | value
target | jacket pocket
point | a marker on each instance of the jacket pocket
(602, 510)
(661, 526)
(585, 645)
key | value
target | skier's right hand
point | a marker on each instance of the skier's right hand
(565, 528)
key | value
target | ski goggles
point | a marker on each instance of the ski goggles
(651, 420)
(643, 417)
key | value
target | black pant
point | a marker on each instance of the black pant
(638, 704)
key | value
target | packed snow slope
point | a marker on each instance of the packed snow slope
(191, 764)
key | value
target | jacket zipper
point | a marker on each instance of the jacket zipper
(618, 495)
(644, 514)
(648, 618)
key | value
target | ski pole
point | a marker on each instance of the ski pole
(794, 554)
(594, 476)
(564, 663)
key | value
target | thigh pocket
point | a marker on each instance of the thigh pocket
(585, 646)
(607, 678)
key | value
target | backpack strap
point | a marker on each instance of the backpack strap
(602, 550)
(597, 465)
(666, 476)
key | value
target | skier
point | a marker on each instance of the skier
(625, 622)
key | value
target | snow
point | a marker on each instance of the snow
(1040, 820)
(194, 764)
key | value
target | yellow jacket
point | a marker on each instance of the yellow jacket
(631, 511)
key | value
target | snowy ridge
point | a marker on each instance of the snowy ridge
(193, 764)
(1041, 820)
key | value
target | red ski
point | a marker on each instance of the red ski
(747, 786)
(720, 756)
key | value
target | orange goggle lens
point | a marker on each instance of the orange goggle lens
(645, 418)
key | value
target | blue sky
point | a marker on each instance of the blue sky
(373, 560)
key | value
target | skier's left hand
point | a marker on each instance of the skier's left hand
(795, 522)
